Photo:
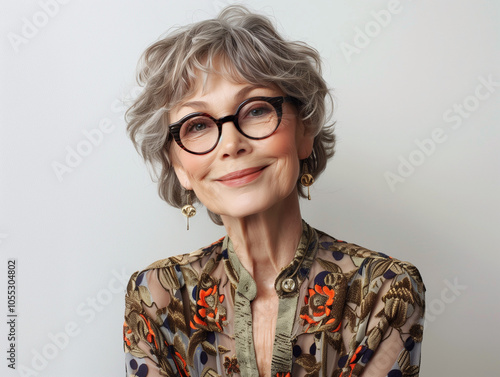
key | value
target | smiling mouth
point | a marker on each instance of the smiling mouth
(241, 177)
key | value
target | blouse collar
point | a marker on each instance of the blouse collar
(289, 279)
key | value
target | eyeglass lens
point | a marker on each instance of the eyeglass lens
(256, 119)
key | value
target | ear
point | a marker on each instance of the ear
(182, 177)
(305, 142)
(181, 174)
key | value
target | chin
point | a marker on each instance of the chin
(242, 211)
(250, 204)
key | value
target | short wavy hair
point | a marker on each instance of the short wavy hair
(250, 49)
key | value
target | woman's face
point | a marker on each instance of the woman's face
(241, 176)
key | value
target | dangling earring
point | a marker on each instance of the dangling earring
(188, 210)
(306, 179)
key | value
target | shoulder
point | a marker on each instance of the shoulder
(170, 272)
(367, 267)
(383, 307)
(189, 258)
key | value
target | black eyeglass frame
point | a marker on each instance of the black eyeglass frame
(276, 102)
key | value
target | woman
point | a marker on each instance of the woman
(233, 116)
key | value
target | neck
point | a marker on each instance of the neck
(266, 242)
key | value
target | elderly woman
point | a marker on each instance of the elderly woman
(234, 117)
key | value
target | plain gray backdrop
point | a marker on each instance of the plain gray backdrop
(416, 173)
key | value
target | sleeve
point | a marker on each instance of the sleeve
(148, 341)
(389, 321)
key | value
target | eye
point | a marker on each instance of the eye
(197, 126)
(257, 112)
(257, 109)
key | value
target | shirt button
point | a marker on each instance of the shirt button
(288, 285)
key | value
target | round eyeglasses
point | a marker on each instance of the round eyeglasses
(256, 118)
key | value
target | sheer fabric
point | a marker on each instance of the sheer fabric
(344, 311)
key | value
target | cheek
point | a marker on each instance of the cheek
(197, 167)
(283, 143)
(282, 146)
(285, 150)
(188, 166)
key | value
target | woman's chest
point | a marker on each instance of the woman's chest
(264, 317)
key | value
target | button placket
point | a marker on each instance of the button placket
(288, 285)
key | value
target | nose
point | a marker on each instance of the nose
(232, 143)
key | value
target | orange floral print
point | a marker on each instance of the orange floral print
(209, 308)
(318, 307)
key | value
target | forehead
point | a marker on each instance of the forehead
(214, 89)
(207, 82)
(205, 74)
(213, 83)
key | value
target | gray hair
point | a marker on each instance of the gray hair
(249, 48)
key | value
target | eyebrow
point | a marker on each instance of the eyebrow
(241, 94)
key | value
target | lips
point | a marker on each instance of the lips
(240, 173)
(241, 176)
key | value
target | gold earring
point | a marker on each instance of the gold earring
(188, 210)
(306, 179)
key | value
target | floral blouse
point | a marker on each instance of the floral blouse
(342, 309)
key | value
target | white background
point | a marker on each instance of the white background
(73, 236)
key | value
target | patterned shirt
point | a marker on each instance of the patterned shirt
(342, 308)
